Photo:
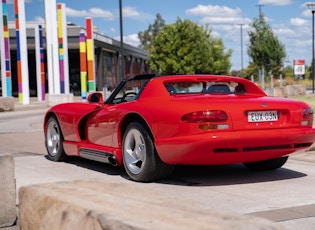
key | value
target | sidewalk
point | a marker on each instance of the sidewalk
(35, 104)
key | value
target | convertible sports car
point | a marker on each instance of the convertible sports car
(151, 123)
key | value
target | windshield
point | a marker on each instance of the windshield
(129, 91)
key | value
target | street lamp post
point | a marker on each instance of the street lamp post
(241, 48)
(311, 6)
(122, 58)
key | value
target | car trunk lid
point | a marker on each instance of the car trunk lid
(250, 113)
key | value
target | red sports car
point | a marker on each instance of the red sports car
(151, 123)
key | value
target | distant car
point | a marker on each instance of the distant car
(149, 124)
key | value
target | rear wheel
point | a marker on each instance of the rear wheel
(54, 140)
(140, 158)
(267, 164)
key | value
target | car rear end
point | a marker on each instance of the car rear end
(225, 128)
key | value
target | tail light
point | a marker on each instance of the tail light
(208, 118)
(307, 117)
(205, 116)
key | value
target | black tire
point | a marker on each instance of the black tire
(271, 164)
(54, 140)
(140, 158)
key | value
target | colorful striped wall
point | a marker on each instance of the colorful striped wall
(90, 54)
(5, 54)
(83, 65)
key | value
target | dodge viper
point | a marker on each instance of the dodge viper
(149, 124)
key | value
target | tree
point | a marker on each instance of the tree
(186, 48)
(288, 71)
(265, 49)
(146, 37)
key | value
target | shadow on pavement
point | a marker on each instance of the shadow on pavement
(199, 175)
(95, 166)
(227, 175)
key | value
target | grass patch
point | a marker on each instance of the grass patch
(309, 99)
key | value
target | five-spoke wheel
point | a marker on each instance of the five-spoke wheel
(54, 140)
(141, 161)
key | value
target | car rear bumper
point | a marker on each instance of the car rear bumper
(234, 147)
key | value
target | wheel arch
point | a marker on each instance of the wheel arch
(132, 117)
(49, 115)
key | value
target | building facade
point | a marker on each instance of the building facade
(107, 59)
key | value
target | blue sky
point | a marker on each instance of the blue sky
(290, 20)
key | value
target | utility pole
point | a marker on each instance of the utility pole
(122, 58)
(260, 6)
(311, 6)
(241, 49)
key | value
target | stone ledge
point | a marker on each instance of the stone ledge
(58, 98)
(100, 205)
(7, 191)
(6, 104)
(289, 90)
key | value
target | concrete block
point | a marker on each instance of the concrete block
(6, 104)
(58, 98)
(7, 191)
(278, 92)
(95, 204)
(294, 90)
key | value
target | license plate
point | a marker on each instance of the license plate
(262, 116)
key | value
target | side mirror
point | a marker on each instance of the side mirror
(96, 98)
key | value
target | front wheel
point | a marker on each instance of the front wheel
(140, 158)
(267, 164)
(54, 140)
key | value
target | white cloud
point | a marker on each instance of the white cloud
(284, 31)
(275, 3)
(214, 14)
(298, 22)
(131, 39)
(225, 20)
(307, 13)
(93, 12)
(130, 12)
(213, 11)
(39, 19)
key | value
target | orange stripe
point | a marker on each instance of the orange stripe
(90, 71)
(19, 72)
(17, 24)
(83, 62)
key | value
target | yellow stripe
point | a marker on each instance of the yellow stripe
(59, 24)
(82, 47)
(83, 82)
(89, 50)
(20, 97)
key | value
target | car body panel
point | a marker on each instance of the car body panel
(97, 126)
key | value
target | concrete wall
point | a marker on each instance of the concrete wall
(92, 204)
(6, 104)
(289, 90)
(7, 191)
(59, 98)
